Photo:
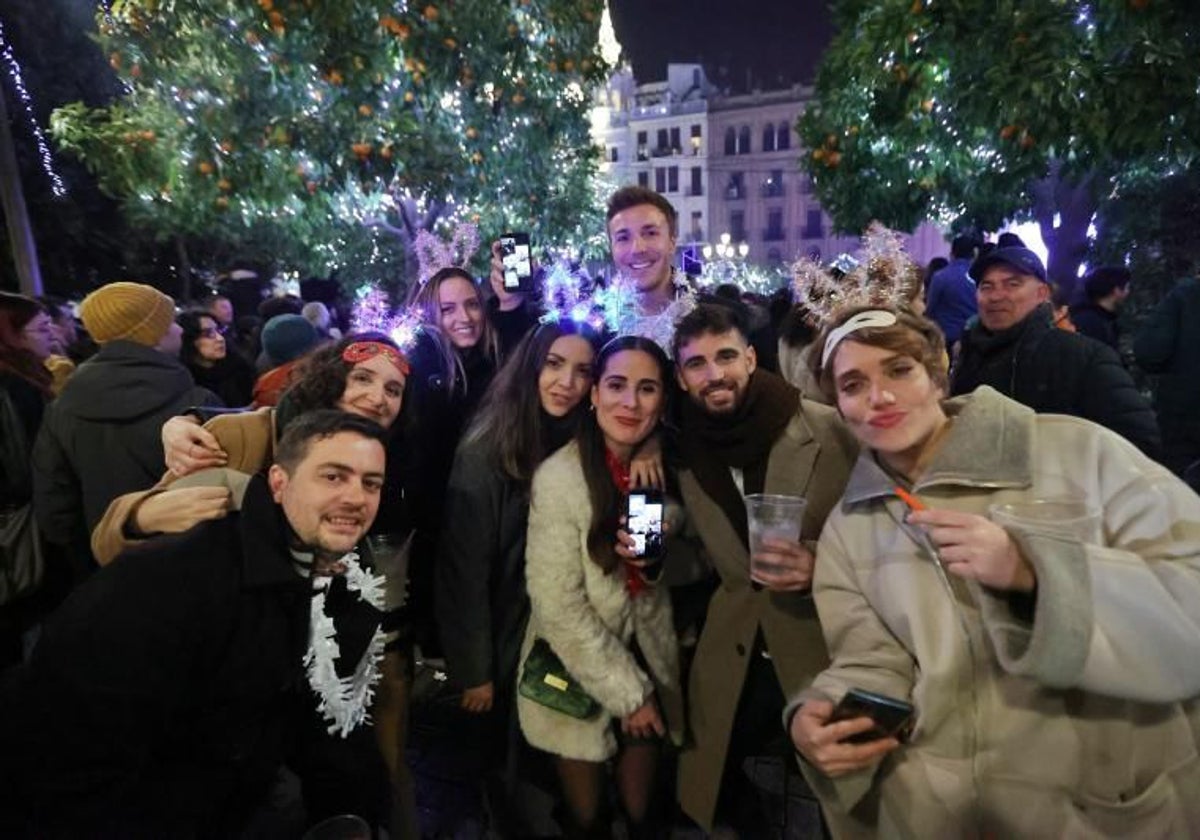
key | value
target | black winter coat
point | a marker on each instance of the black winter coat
(101, 438)
(1169, 345)
(1056, 372)
(1097, 322)
(231, 379)
(435, 418)
(482, 605)
(163, 693)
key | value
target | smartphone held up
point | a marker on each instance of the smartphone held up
(516, 257)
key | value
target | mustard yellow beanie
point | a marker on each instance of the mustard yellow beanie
(130, 311)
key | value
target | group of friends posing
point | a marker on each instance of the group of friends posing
(1054, 677)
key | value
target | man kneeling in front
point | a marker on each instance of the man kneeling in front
(163, 694)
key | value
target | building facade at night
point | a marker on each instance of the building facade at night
(728, 163)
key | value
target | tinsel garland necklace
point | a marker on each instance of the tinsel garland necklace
(343, 700)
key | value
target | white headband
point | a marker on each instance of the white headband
(870, 318)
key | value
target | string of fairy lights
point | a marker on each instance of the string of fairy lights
(13, 68)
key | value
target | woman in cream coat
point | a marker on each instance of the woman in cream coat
(601, 613)
(1055, 675)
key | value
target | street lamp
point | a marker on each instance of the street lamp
(729, 262)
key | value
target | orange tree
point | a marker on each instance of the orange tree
(322, 135)
(972, 113)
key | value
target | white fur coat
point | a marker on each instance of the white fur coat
(590, 621)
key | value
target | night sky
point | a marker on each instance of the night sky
(773, 42)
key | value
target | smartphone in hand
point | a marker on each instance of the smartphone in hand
(516, 258)
(644, 522)
(893, 718)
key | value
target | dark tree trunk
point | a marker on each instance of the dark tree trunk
(183, 270)
(1075, 204)
(12, 199)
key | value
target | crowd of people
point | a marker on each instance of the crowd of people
(230, 548)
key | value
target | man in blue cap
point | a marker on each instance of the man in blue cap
(1016, 349)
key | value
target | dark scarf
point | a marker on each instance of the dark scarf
(557, 431)
(712, 444)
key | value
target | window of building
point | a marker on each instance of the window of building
(643, 179)
(696, 139)
(730, 141)
(697, 187)
(814, 227)
(769, 138)
(737, 226)
(614, 155)
(662, 141)
(676, 147)
(783, 137)
(736, 187)
(774, 256)
(672, 179)
(774, 231)
(697, 226)
(660, 180)
(642, 152)
(743, 145)
(773, 185)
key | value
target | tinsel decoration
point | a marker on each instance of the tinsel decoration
(882, 275)
(624, 316)
(567, 294)
(343, 701)
(372, 312)
(434, 253)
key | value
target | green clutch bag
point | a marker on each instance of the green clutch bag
(545, 681)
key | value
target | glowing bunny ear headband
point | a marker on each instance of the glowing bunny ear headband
(883, 275)
(434, 254)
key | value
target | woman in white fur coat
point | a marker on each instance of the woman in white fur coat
(602, 613)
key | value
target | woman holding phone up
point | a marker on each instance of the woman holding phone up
(1054, 671)
(600, 613)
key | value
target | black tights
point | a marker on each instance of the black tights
(583, 789)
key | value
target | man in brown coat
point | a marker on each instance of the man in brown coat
(746, 430)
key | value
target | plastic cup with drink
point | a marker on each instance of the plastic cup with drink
(771, 517)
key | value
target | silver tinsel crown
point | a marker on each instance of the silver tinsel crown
(883, 275)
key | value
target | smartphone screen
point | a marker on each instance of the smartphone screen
(514, 254)
(644, 522)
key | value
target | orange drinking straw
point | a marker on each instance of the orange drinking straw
(909, 499)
